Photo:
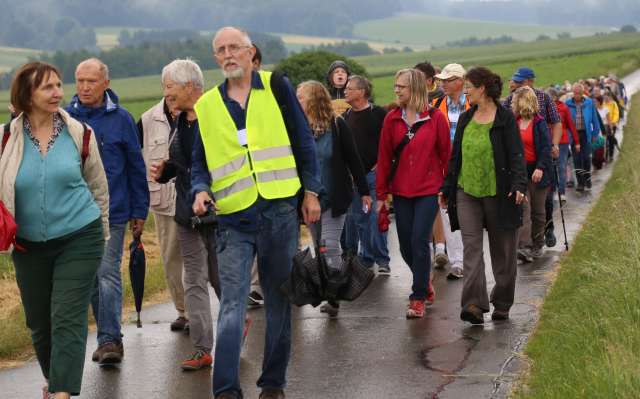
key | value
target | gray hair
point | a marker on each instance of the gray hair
(104, 69)
(363, 83)
(183, 72)
(245, 35)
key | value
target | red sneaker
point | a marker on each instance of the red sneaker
(245, 331)
(416, 309)
(200, 359)
(431, 294)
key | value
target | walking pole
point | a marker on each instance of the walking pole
(564, 228)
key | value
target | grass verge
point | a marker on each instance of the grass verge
(587, 343)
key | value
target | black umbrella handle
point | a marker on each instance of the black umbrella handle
(139, 323)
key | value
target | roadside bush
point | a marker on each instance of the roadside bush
(314, 65)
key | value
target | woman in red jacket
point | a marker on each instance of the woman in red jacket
(565, 142)
(413, 173)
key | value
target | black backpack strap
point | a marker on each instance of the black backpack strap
(279, 89)
(405, 140)
(438, 103)
(5, 135)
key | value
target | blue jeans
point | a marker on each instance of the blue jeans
(275, 243)
(582, 160)
(106, 299)
(414, 220)
(562, 167)
(362, 228)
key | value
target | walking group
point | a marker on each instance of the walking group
(229, 175)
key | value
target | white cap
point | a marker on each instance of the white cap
(451, 71)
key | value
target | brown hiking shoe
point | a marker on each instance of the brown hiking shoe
(110, 353)
(500, 315)
(472, 314)
(271, 393)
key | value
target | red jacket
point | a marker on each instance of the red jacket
(424, 160)
(567, 124)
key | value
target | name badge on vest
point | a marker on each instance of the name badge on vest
(242, 136)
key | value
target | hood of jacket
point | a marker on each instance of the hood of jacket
(110, 104)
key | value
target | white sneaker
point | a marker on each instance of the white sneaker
(455, 273)
(563, 199)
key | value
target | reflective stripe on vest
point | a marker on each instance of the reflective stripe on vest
(264, 167)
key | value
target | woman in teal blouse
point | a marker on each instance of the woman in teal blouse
(484, 188)
(59, 202)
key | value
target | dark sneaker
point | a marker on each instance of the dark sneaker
(255, 300)
(536, 253)
(384, 270)
(549, 238)
(472, 314)
(500, 315)
(331, 308)
(179, 324)
(587, 185)
(110, 353)
(96, 354)
(524, 255)
(455, 273)
(441, 260)
(271, 393)
(199, 360)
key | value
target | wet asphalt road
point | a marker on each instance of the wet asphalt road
(369, 351)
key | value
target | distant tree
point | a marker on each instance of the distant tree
(628, 29)
(390, 50)
(314, 65)
(347, 48)
(564, 35)
(407, 49)
(542, 38)
(474, 41)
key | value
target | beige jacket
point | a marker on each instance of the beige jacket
(156, 130)
(93, 171)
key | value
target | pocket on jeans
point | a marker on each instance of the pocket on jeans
(285, 208)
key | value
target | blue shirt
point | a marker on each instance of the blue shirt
(302, 144)
(454, 110)
(52, 198)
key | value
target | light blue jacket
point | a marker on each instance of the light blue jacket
(590, 115)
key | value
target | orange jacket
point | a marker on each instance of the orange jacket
(443, 105)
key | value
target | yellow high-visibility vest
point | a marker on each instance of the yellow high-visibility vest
(265, 166)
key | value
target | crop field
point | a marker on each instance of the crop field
(436, 30)
(10, 57)
(298, 42)
(554, 61)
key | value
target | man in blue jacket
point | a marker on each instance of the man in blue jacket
(585, 118)
(116, 133)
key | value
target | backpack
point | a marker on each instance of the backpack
(86, 137)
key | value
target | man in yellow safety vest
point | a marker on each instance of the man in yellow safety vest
(254, 154)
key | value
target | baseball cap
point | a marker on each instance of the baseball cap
(522, 74)
(451, 71)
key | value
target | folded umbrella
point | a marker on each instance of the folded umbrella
(137, 269)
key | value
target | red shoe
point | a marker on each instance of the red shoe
(245, 331)
(431, 294)
(200, 359)
(416, 309)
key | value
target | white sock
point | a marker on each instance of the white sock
(439, 248)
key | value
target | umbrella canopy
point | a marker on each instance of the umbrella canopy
(311, 281)
(137, 269)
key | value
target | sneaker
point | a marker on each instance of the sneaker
(472, 314)
(431, 294)
(110, 353)
(500, 315)
(271, 393)
(384, 270)
(549, 238)
(455, 273)
(245, 330)
(524, 255)
(95, 356)
(331, 308)
(441, 260)
(587, 185)
(416, 309)
(536, 253)
(179, 324)
(255, 300)
(199, 360)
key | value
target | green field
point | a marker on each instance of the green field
(554, 62)
(11, 57)
(422, 29)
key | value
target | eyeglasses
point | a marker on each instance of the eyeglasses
(451, 80)
(234, 49)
